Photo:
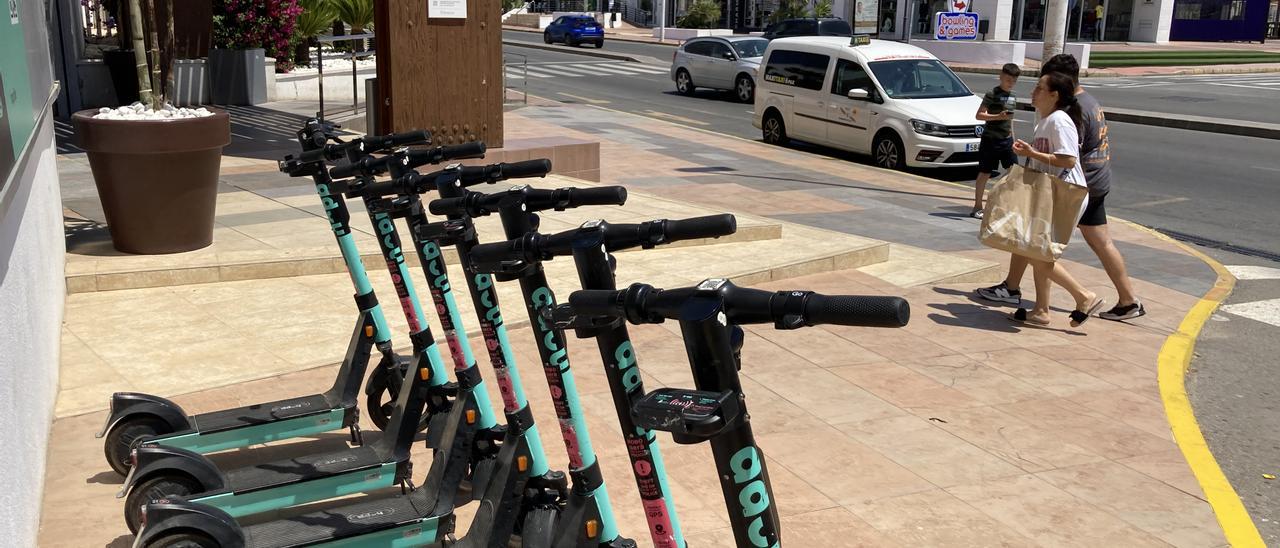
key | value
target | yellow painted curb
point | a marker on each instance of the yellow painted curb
(1172, 364)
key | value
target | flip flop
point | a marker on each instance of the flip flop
(1020, 316)
(1080, 316)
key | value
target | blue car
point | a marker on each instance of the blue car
(574, 30)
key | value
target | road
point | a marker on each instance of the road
(1217, 187)
(1238, 97)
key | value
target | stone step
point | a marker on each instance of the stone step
(908, 266)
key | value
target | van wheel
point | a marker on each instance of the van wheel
(684, 83)
(775, 131)
(888, 152)
(745, 89)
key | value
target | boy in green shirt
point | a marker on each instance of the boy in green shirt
(996, 147)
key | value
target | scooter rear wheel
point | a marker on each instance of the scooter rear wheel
(155, 488)
(380, 400)
(119, 441)
(184, 540)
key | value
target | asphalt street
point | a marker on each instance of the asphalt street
(1219, 189)
(1250, 97)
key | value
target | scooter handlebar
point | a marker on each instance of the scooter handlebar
(375, 143)
(642, 303)
(710, 226)
(418, 158)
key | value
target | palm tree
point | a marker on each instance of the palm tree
(317, 17)
(357, 14)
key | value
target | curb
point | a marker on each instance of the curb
(567, 49)
(1172, 364)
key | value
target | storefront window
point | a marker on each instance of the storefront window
(1223, 10)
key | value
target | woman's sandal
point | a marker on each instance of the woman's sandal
(1080, 316)
(1020, 316)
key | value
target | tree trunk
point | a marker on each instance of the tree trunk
(157, 87)
(170, 49)
(1055, 29)
(139, 51)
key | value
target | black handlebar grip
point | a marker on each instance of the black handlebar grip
(367, 164)
(528, 168)
(446, 206)
(463, 151)
(496, 252)
(374, 143)
(710, 226)
(605, 195)
(596, 302)
(857, 310)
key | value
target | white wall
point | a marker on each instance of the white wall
(1151, 21)
(977, 53)
(999, 12)
(32, 253)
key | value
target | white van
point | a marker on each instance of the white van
(893, 101)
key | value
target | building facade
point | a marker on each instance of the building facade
(1088, 20)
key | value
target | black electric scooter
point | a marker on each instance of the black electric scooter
(590, 245)
(136, 417)
(710, 315)
(586, 517)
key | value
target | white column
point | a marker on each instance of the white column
(1055, 28)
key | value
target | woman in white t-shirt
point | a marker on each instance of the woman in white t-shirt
(1055, 149)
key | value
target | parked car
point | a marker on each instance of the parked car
(719, 62)
(893, 101)
(574, 30)
(812, 26)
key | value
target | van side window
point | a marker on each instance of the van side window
(796, 68)
(850, 75)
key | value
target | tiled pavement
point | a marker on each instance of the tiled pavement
(961, 429)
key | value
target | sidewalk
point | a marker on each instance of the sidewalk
(961, 429)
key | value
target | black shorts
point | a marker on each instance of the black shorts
(995, 152)
(1095, 214)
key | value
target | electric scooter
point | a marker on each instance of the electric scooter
(134, 417)
(590, 245)
(586, 517)
(710, 316)
(161, 471)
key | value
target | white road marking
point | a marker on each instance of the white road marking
(1267, 311)
(1266, 168)
(1165, 201)
(1250, 272)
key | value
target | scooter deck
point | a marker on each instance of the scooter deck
(262, 413)
(338, 523)
(302, 468)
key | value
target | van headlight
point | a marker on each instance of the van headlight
(929, 128)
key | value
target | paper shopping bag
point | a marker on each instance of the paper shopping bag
(1031, 214)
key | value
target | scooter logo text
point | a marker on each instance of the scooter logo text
(753, 495)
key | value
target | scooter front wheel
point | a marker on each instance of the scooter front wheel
(184, 540)
(380, 400)
(160, 487)
(119, 441)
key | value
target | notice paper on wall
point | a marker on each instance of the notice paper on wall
(447, 9)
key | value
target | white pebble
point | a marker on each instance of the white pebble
(138, 111)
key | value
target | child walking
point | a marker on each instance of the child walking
(996, 148)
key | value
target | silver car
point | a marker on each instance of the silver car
(719, 62)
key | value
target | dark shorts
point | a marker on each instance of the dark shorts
(1095, 214)
(995, 152)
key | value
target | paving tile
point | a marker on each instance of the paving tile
(903, 387)
(1040, 511)
(1146, 503)
(1045, 374)
(826, 395)
(1168, 466)
(1077, 425)
(936, 518)
(1018, 442)
(928, 451)
(831, 527)
(981, 382)
(819, 454)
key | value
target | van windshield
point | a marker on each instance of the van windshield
(918, 79)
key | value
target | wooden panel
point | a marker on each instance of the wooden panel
(441, 75)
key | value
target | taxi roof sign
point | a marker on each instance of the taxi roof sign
(860, 40)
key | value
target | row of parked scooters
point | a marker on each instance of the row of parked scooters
(175, 496)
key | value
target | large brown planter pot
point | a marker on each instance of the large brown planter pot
(157, 180)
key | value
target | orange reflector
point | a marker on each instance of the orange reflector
(471, 416)
(593, 528)
(425, 373)
(368, 331)
(522, 463)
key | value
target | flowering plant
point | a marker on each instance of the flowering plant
(266, 24)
